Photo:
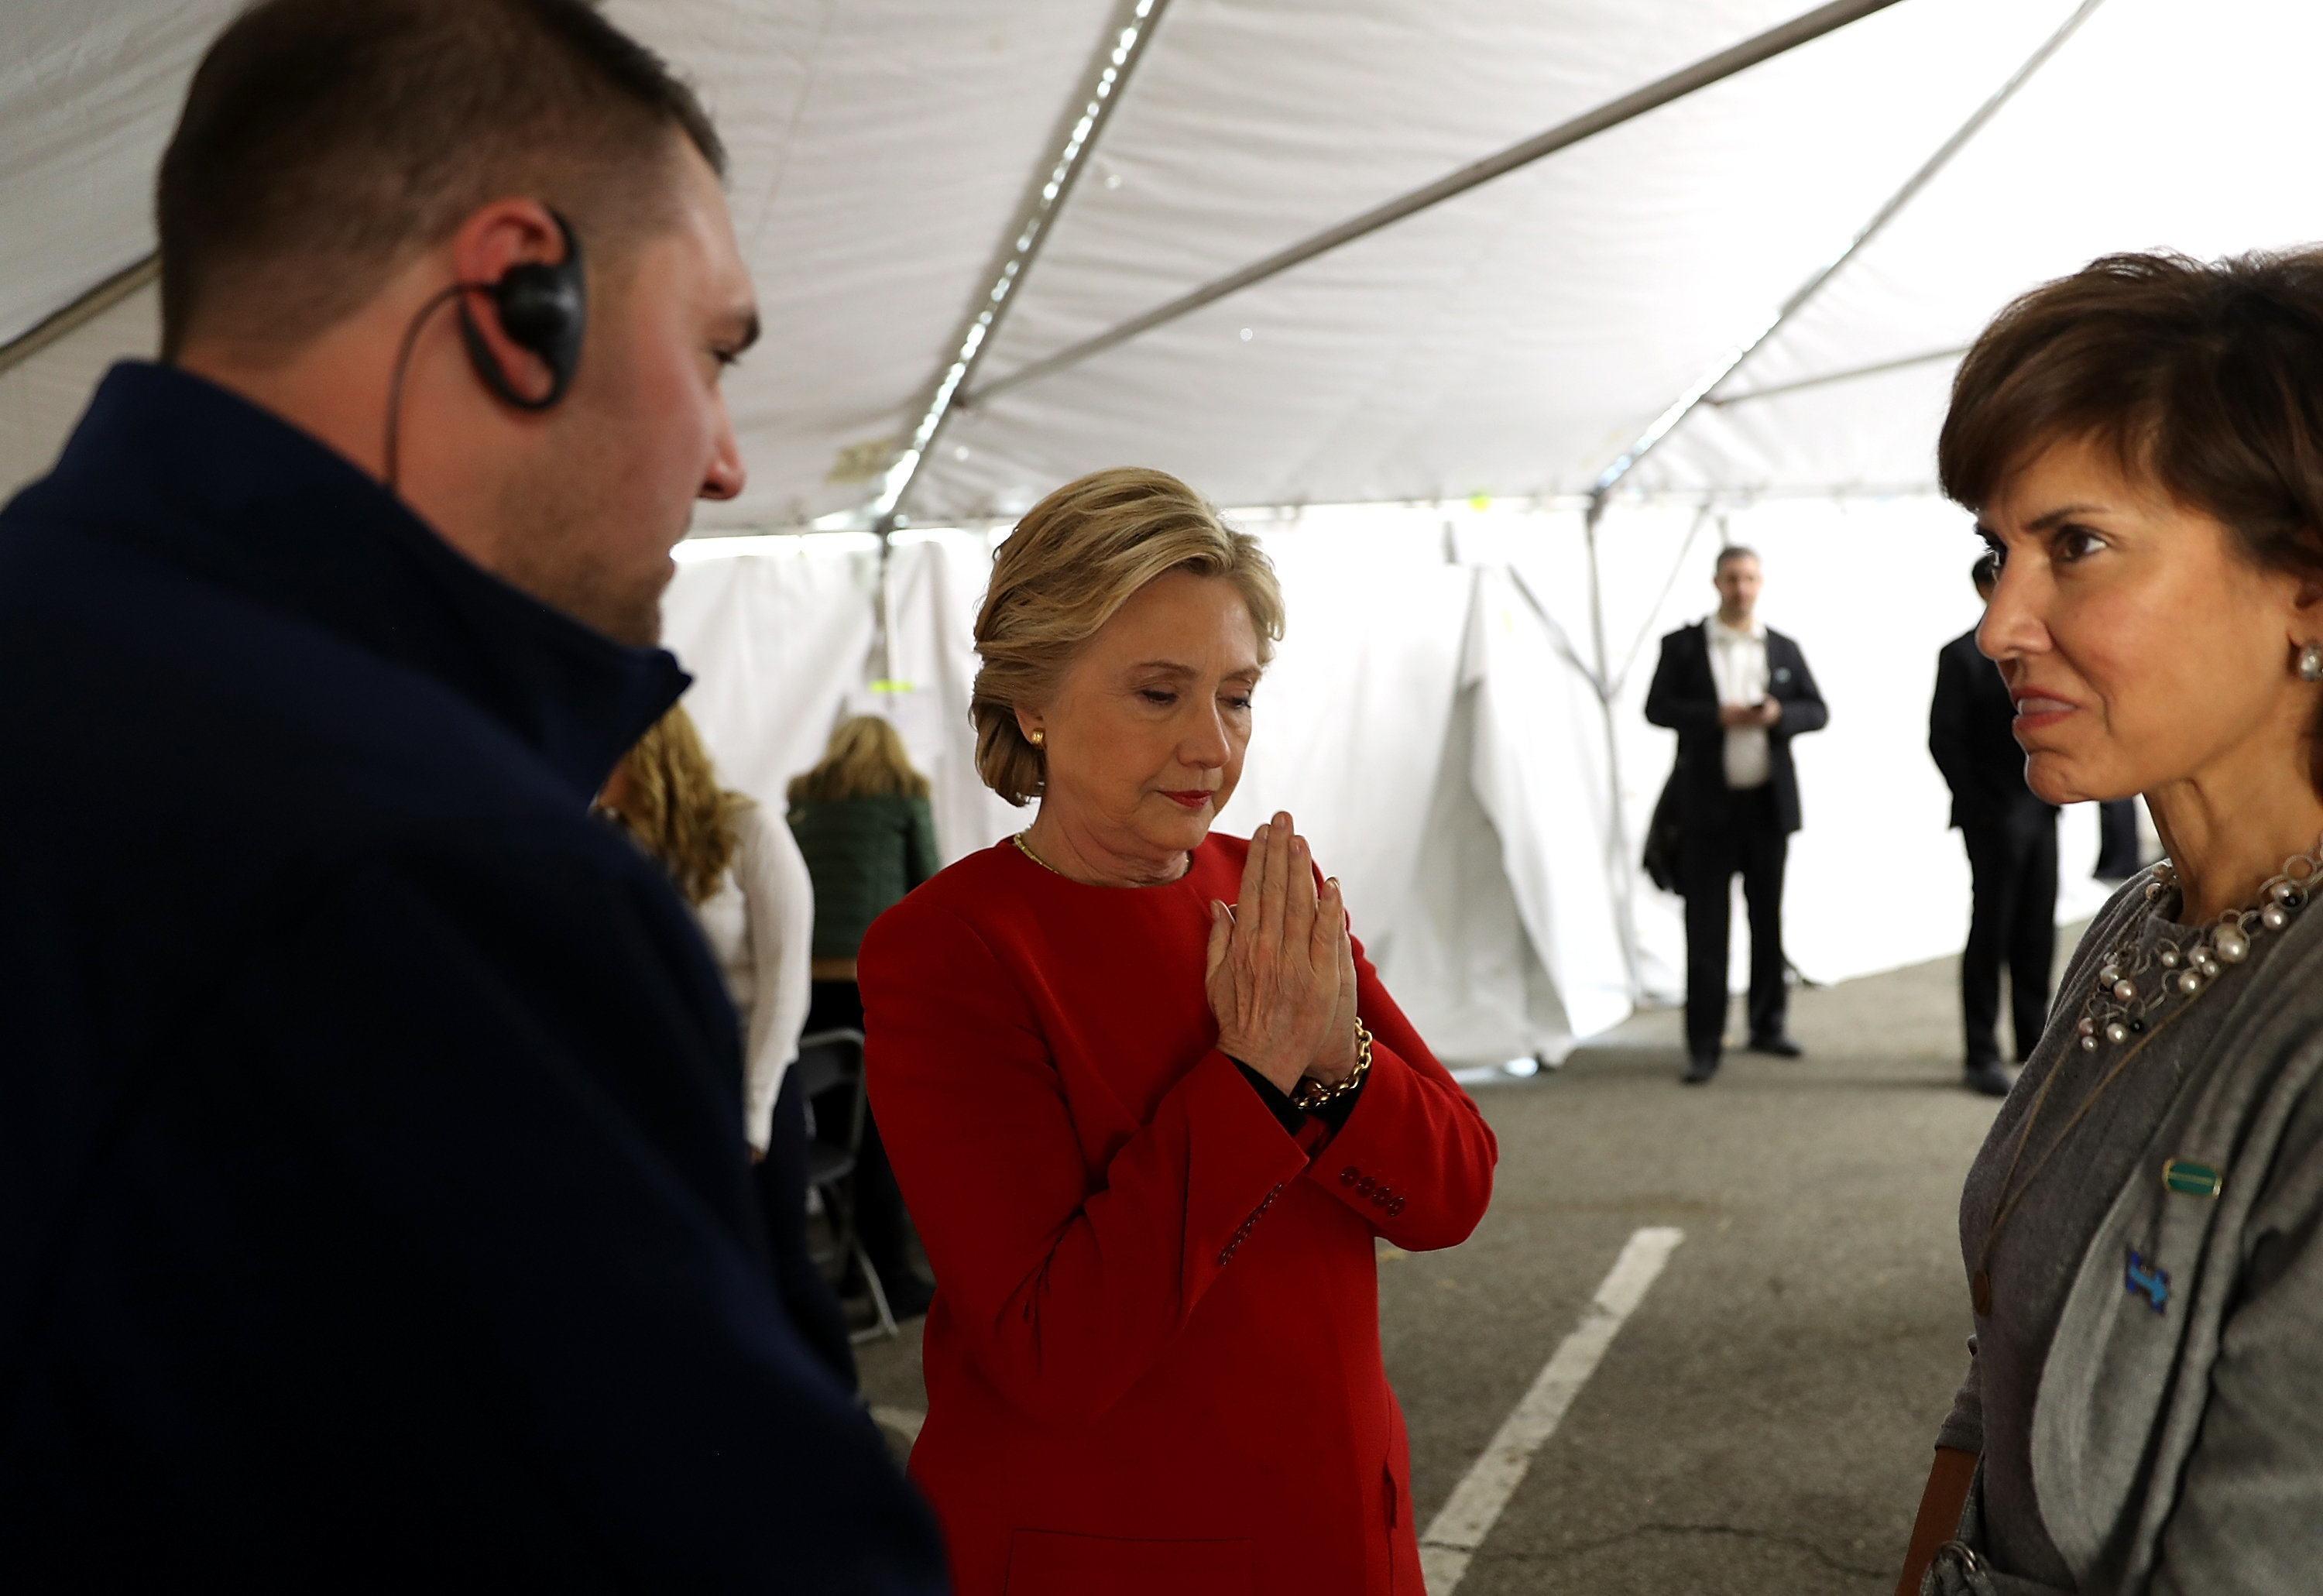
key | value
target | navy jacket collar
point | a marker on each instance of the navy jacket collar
(206, 481)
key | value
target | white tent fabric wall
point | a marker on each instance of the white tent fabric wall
(1510, 342)
(776, 642)
(935, 584)
(88, 95)
(1421, 723)
(1871, 589)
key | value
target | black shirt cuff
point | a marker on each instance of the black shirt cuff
(1291, 1119)
(1333, 1114)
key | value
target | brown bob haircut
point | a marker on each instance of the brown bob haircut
(2203, 380)
(325, 143)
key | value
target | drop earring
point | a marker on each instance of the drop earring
(2310, 662)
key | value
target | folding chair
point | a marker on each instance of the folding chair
(831, 1061)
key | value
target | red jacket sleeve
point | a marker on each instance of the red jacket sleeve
(1415, 1158)
(1065, 1296)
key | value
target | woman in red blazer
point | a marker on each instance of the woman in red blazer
(1150, 1105)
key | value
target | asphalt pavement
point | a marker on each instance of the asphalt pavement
(1762, 1422)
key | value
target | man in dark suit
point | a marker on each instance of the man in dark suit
(1736, 693)
(2012, 853)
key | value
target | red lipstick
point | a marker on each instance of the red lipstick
(1191, 800)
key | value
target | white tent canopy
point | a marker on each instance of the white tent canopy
(1499, 349)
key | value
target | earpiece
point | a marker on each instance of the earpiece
(543, 308)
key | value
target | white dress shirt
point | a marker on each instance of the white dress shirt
(760, 924)
(1738, 664)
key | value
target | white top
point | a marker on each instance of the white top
(760, 924)
(1738, 664)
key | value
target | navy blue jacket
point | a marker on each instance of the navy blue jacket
(373, 1206)
(1684, 697)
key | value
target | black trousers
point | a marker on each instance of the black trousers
(814, 1308)
(2013, 867)
(1744, 839)
(2117, 839)
(880, 1219)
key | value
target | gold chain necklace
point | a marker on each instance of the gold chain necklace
(1025, 848)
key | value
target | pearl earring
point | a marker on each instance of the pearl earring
(2310, 662)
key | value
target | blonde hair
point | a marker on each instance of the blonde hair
(1075, 559)
(866, 759)
(675, 808)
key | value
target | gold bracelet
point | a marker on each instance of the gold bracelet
(1313, 1093)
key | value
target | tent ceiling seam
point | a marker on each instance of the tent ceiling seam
(1877, 367)
(1678, 84)
(1118, 53)
(1728, 362)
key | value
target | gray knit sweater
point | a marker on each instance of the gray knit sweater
(2129, 1449)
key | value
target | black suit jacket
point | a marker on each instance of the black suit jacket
(1685, 698)
(373, 1206)
(1969, 733)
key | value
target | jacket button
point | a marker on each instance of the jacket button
(1382, 1197)
(1350, 1175)
(1395, 1208)
(1366, 1186)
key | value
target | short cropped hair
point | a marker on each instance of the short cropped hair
(1732, 551)
(1075, 559)
(323, 143)
(2202, 379)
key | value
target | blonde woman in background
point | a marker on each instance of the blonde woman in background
(749, 888)
(862, 820)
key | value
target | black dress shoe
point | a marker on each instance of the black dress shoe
(1699, 1068)
(1778, 1045)
(1986, 1080)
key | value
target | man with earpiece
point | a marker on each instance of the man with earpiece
(373, 1205)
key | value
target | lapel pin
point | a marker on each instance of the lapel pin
(2152, 1284)
(2188, 1179)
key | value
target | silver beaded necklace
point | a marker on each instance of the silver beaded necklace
(2136, 979)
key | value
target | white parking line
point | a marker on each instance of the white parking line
(1452, 1539)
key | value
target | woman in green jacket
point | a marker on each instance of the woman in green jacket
(862, 820)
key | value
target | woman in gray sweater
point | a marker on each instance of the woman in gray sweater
(2143, 445)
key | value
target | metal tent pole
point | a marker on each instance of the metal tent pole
(1617, 842)
(1799, 30)
(84, 310)
(1727, 362)
(1117, 55)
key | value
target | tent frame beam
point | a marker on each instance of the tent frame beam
(1119, 49)
(1731, 360)
(1878, 368)
(1726, 63)
(62, 323)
